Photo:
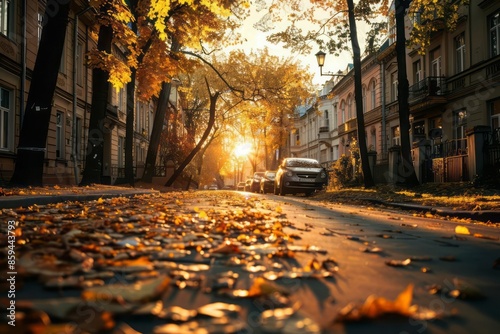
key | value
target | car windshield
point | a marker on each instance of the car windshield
(303, 163)
(270, 175)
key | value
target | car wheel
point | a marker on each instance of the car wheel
(275, 188)
(282, 189)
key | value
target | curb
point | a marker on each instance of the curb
(25, 201)
(492, 216)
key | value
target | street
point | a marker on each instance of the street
(286, 264)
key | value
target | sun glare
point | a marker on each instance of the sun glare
(242, 149)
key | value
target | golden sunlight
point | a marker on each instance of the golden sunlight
(242, 149)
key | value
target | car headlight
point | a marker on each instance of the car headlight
(289, 173)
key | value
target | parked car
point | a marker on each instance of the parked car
(267, 182)
(248, 185)
(255, 187)
(299, 175)
(240, 186)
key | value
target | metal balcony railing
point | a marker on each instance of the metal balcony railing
(430, 86)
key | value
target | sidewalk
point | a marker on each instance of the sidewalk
(484, 216)
(43, 196)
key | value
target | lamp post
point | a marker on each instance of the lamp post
(320, 57)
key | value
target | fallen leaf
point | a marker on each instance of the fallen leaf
(462, 230)
(141, 291)
(481, 236)
(398, 263)
(262, 287)
(375, 307)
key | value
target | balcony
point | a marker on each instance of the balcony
(324, 132)
(427, 93)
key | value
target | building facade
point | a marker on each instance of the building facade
(454, 103)
(20, 31)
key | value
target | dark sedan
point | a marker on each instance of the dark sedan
(299, 175)
(267, 182)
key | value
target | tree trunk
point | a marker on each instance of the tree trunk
(33, 136)
(100, 89)
(406, 174)
(154, 140)
(129, 130)
(161, 110)
(363, 150)
(197, 148)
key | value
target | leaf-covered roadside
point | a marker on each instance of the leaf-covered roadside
(458, 196)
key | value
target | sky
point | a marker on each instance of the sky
(256, 39)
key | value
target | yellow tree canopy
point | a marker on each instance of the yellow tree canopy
(191, 23)
(429, 16)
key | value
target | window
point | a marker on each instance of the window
(419, 130)
(460, 53)
(373, 139)
(373, 94)
(78, 139)
(342, 112)
(122, 99)
(364, 99)
(40, 26)
(6, 17)
(335, 152)
(394, 87)
(79, 63)
(6, 116)
(436, 63)
(121, 152)
(59, 135)
(459, 138)
(335, 116)
(349, 107)
(417, 72)
(494, 26)
(62, 65)
(327, 119)
(396, 136)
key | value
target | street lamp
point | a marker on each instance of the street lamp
(320, 57)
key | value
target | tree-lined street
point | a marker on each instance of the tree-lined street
(279, 264)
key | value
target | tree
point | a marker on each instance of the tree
(407, 173)
(207, 23)
(358, 96)
(33, 136)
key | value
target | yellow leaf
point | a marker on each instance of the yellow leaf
(202, 215)
(462, 230)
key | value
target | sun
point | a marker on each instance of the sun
(242, 149)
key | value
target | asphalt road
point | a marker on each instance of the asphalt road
(459, 287)
(449, 257)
